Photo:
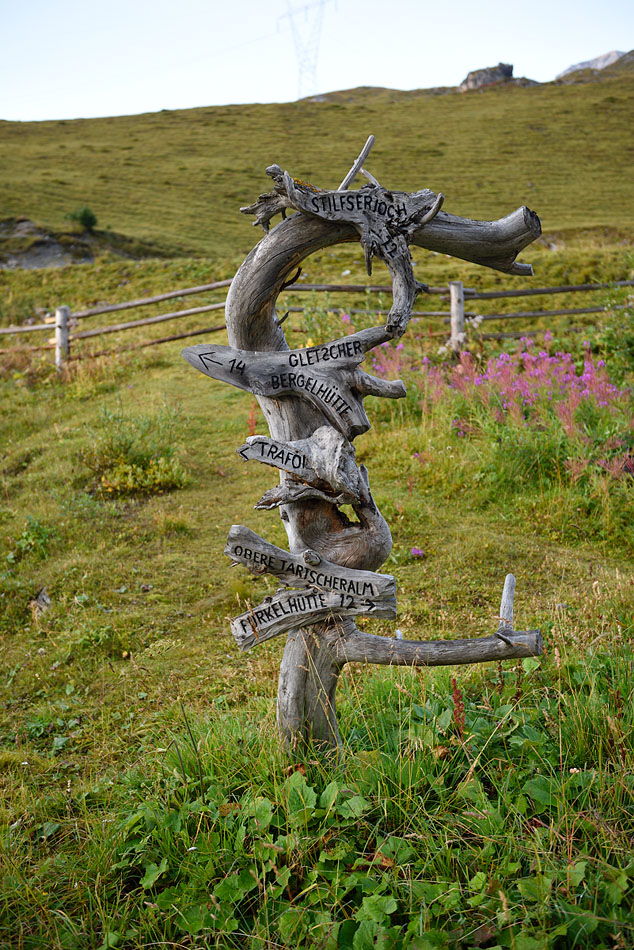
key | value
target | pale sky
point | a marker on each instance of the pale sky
(65, 59)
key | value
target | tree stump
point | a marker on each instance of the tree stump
(312, 400)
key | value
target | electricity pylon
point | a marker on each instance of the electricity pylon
(306, 22)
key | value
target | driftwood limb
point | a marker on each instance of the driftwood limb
(351, 645)
(288, 609)
(385, 221)
(327, 375)
(303, 570)
(358, 165)
(358, 647)
(332, 558)
(505, 629)
(327, 458)
(292, 492)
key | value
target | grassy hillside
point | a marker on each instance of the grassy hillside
(136, 742)
(144, 798)
(178, 178)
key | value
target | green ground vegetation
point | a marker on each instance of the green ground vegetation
(145, 800)
(178, 178)
(145, 797)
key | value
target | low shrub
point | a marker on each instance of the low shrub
(531, 421)
(34, 539)
(134, 455)
(85, 217)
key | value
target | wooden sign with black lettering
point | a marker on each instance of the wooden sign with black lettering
(385, 220)
(327, 375)
(288, 609)
(282, 455)
(372, 209)
(326, 460)
(306, 570)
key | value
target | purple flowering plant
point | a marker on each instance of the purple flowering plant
(540, 417)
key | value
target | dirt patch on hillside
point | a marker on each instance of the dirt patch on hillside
(23, 244)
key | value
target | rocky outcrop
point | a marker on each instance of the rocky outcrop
(479, 78)
(23, 244)
(600, 62)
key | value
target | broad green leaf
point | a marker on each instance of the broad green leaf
(477, 899)
(353, 807)
(111, 939)
(168, 897)
(301, 797)
(427, 892)
(172, 821)
(338, 852)
(291, 925)
(364, 936)
(616, 888)
(444, 720)
(530, 663)
(526, 942)
(235, 886)
(535, 888)
(431, 940)
(346, 934)
(531, 734)
(540, 789)
(451, 898)
(376, 907)
(579, 922)
(282, 877)
(328, 796)
(479, 881)
(396, 848)
(262, 813)
(578, 872)
(152, 873)
(195, 919)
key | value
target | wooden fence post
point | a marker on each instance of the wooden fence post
(456, 298)
(62, 343)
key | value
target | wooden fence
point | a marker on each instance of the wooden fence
(65, 322)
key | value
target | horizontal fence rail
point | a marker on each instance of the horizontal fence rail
(64, 322)
(145, 301)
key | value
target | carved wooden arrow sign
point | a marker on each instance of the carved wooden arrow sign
(288, 609)
(327, 375)
(326, 461)
(384, 219)
(286, 456)
(306, 570)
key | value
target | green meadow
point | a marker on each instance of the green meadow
(145, 800)
(178, 178)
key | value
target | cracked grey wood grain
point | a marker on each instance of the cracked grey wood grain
(354, 646)
(313, 486)
(327, 375)
(285, 610)
(327, 460)
(306, 570)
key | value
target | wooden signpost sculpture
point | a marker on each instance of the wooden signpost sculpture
(313, 402)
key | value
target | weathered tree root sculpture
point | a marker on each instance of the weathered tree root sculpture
(313, 402)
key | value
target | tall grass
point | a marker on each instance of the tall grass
(536, 422)
(145, 798)
(490, 811)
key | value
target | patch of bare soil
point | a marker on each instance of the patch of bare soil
(23, 244)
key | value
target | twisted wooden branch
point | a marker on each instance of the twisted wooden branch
(299, 415)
